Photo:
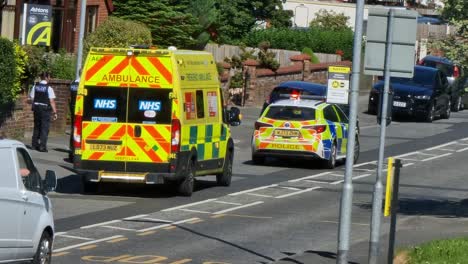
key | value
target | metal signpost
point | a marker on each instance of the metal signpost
(397, 43)
(347, 192)
(79, 56)
(338, 85)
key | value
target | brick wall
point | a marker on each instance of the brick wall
(260, 82)
(17, 121)
(103, 14)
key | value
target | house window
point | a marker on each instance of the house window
(91, 18)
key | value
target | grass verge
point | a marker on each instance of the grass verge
(450, 251)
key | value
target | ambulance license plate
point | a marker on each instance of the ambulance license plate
(103, 147)
(286, 133)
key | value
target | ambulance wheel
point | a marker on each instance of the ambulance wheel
(257, 160)
(224, 178)
(331, 162)
(186, 187)
(90, 187)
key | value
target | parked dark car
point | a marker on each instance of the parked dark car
(424, 96)
(453, 71)
(304, 89)
(465, 94)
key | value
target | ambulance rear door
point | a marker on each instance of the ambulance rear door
(149, 110)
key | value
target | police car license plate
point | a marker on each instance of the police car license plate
(103, 147)
(399, 104)
(286, 133)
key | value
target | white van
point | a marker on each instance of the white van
(27, 225)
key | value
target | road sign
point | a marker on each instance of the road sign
(37, 25)
(338, 85)
(403, 44)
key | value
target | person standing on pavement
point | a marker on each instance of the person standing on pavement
(43, 105)
(73, 92)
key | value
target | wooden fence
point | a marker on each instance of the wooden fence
(282, 56)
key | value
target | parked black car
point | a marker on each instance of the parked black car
(424, 96)
(454, 73)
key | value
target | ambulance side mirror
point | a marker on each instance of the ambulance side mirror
(234, 116)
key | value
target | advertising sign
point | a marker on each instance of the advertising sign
(37, 25)
(338, 84)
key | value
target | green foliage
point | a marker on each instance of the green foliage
(319, 40)
(21, 60)
(37, 62)
(170, 25)
(117, 33)
(239, 17)
(440, 251)
(329, 20)
(267, 58)
(220, 68)
(62, 66)
(245, 54)
(455, 46)
(207, 15)
(8, 71)
(237, 81)
(313, 57)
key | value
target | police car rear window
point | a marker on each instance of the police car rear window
(292, 113)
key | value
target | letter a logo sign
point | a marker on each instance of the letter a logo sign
(37, 25)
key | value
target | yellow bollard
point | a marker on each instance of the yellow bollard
(389, 189)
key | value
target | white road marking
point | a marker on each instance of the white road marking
(238, 207)
(407, 154)
(337, 175)
(427, 154)
(157, 220)
(188, 205)
(74, 237)
(334, 222)
(100, 224)
(86, 243)
(223, 202)
(462, 144)
(450, 150)
(60, 233)
(312, 181)
(442, 145)
(195, 211)
(135, 217)
(120, 228)
(298, 192)
(436, 157)
(408, 159)
(167, 225)
(310, 176)
(254, 189)
(365, 163)
(290, 188)
(354, 178)
(259, 195)
(408, 164)
(461, 150)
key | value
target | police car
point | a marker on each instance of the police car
(310, 129)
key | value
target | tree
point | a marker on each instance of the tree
(169, 24)
(330, 20)
(238, 17)
(207, 15)
(455, 46)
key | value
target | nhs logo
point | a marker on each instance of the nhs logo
(110, 104)
(149, 105)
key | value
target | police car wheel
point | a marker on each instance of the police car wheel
(187, 185)
(224, 178)
(331, 162)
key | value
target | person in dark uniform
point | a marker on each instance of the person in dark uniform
(43, 105)
(73, 92)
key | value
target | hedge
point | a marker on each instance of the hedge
(321, 41)
(8, 71)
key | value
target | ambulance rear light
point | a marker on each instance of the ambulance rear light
(318, 128)
(175, 135)
(456, 72)
(258, 125)
(77, 131)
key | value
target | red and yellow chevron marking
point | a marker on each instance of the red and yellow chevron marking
(121, 70)
(79, 105)
(154, 144)
(102, 131)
